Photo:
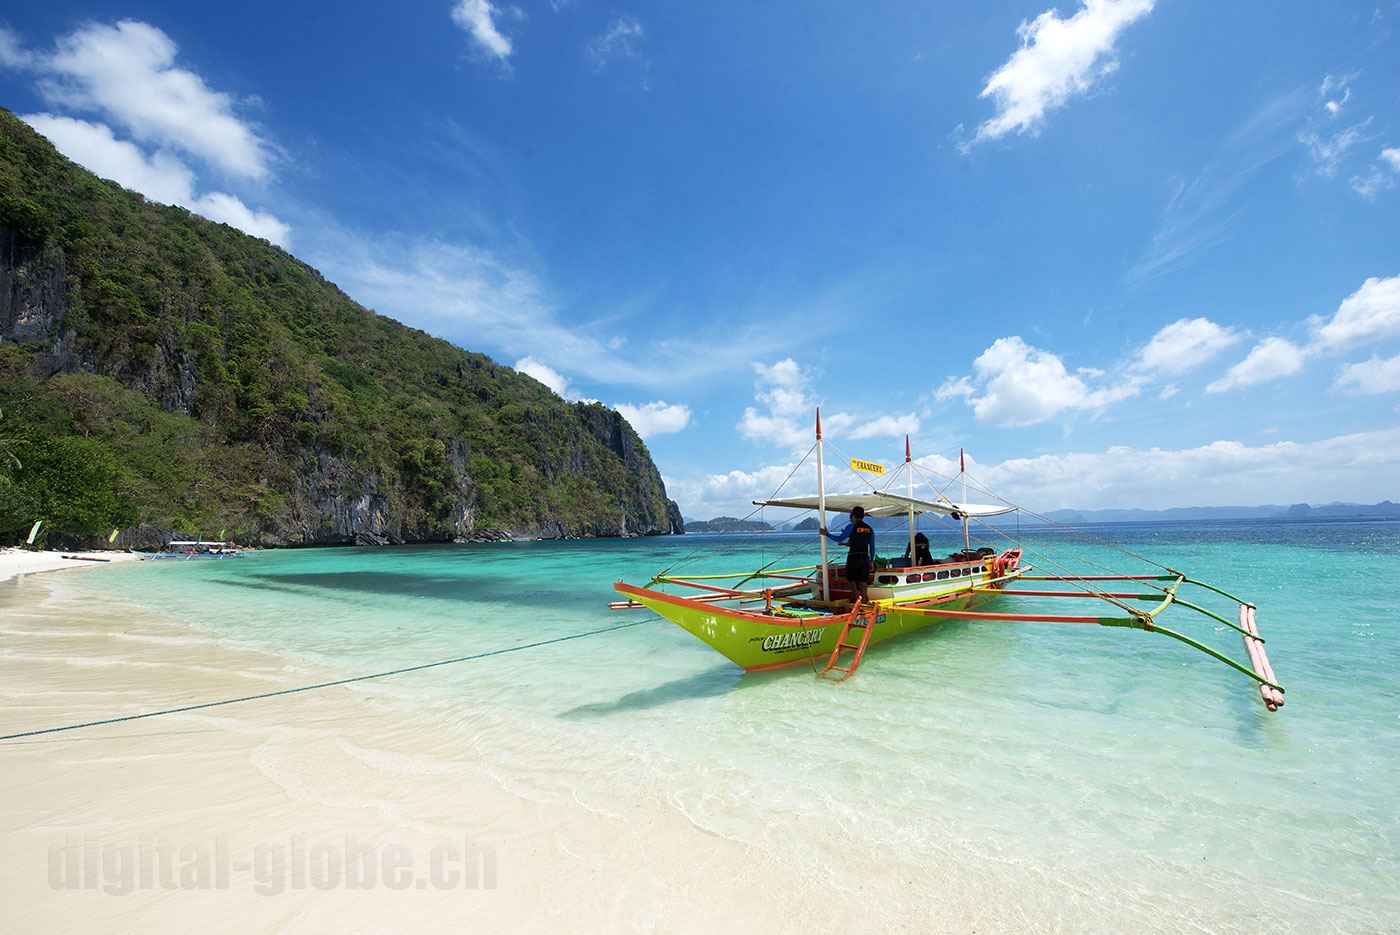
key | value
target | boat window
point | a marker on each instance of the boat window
(942, 575)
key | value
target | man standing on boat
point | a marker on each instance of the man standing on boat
(861, 558)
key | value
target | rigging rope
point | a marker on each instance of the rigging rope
(306, 688)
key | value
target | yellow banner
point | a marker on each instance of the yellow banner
(869, 467)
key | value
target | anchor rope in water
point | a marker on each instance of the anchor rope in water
(306, 688)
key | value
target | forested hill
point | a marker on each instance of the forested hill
(161, 372)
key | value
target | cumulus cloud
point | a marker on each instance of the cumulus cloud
(732, 494)
(782, 392)
(1371, 313)
(1059, 59)
(1222, 473)
(656, 418)
(1271, 358)
(1185, 343)
(161, 176)
(1370, 376)
(127, 73)
(1024, 385)
(545, 374)
(1218, 474)
(478, 18)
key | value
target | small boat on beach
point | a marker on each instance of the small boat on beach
(189, 549)
(769, 618)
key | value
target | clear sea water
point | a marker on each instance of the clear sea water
(1071, 762)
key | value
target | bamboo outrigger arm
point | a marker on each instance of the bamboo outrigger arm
(1261, 672)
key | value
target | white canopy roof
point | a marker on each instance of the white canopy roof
(887, 504)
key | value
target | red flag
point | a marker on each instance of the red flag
(962, 462)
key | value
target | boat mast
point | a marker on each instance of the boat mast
(962, 469)
(909, 477)
(821, 509)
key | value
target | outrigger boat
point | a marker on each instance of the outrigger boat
(771, 618)
(188, 549)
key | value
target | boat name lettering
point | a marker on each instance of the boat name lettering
(792, 640)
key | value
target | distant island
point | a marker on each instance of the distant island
(1384, 509)
(726, 524)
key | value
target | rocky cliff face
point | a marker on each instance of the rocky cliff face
(156, 365)
(331, 498)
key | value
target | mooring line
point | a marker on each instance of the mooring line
(307, 688)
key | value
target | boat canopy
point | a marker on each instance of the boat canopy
(888, 504)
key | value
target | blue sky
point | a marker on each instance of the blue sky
(1125, 253)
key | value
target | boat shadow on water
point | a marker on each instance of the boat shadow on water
(714, 681)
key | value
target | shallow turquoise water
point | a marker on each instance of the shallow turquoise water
(1127, 755)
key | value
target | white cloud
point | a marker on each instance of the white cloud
(954, 387)
(1391, 157)
(547, 375)
(1024, 385)
(1058, 59)
(12, 54)
(161, 177)
(477, 17)
(1185, 343)
(1331, 86)
(1359, 467)
(1202, 210)
(221, 206)
(620, 39)
(887, 427)
(1374, 182)
(1328, 152)
(1271, 358)
(1353, 467)
(657, 418)
(1370, 376)
(782, 389)
(127, 72)
(732, 494)
(1371, 313)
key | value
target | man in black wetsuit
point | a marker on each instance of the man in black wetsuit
(861, 558)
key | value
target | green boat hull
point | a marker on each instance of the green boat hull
(764, 640)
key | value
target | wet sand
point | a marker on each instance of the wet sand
(325, 810)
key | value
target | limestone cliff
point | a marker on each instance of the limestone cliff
(162, 372)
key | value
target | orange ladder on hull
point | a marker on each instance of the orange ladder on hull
(866, 623)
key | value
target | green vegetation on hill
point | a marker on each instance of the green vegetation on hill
(726, 524)
(158, 368)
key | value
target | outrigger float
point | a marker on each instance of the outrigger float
(190, 549)
(772, 618)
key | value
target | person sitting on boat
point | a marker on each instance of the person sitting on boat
(860, 539)
(922, 556)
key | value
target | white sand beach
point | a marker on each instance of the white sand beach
(22, 562)
(320, 811)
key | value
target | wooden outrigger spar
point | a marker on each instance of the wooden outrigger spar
(772, 618)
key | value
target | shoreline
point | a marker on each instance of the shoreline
(17, 561)
(336, 808)
(383, 805)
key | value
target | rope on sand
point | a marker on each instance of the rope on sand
(307, 688)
